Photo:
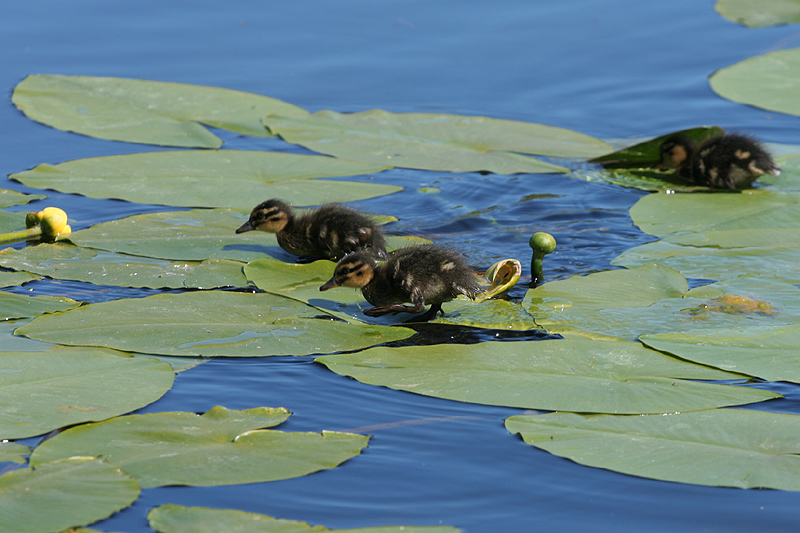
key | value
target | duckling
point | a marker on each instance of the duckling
(421, 275)
(330, 232)
(726, 162)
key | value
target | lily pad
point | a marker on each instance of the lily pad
(663, 214)
(171, 518)
(574, 305)
(63, 494)
(722, 447)
(9, 279)
(11, 342)
(9, 198)
(20, 306)
(559, 375)
(11, 221)
(766, 352)
(221, 447)
(435, 141)
(46, 390)
(208, 323)
(768, 81)
(13, 452)
(144, 111)
(65, 261)
(219, 178)
(766, 13)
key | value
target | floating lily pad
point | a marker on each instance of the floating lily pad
(767, 352)
(65, 261)
(768, 81)
(9, 279)
(221, 447)
(435, 141)
(219, 178)
(559, 375)
(144, 111)
(63, 494)
(722, 447)
(13, 452)
(20, 306)
(578, 304)
(208, 323)
(171, 518)
(11, 221)
(42, 391)
(9, 198)
(766, 13)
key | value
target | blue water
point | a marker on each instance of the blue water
(613, 69)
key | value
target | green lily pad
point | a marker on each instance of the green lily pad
(9, 198)
(766, 352)
(766, 13)
(171, 518)
(42, 391)
(559, 375)
(208, 323)
(56, 496)
(722, 447)
(20, 306)
(578, 304)
(11, 342)
(144, 111)
(65, 261)
(664, 214)
(13, 452)
(221, 447)
(768, 81)
(11, 221)
(435, 141)
(219, 178)
(10, 279)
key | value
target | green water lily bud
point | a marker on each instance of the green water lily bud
(542, 244)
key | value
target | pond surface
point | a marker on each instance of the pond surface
(614, 69)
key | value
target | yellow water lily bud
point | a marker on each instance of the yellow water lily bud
(34, 218)
(54, 220)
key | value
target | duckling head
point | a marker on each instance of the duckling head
(354, 270)
(676, 152)
(270, 216)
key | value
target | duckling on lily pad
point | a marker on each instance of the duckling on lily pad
(728, 161)
(422, 275)
(330, 232)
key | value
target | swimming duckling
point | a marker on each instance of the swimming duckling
(330, 232)
(726, 162)
(421, 275)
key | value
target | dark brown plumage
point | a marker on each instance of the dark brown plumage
(725, 162)
(330, 232)
(423, 275)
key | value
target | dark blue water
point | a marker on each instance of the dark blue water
(613, 69)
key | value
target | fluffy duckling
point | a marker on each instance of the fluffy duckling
(330, 232)
(421, 275)
(725, 162)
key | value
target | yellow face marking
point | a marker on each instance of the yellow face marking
(447, 265)
(741, 155)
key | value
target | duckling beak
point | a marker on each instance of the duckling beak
(329, 285)
(245, 227)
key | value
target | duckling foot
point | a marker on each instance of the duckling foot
(394, 308)
(428, 315)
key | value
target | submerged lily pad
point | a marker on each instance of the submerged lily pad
(766, 13)
(55, 496)
(9, 198)
(20, 306)
(647, 153)
(219, 178)
(768, 81)
(435, 141)
(13, 452)
(221, 447)
(171, 518)
(46, 390)
(208, 323)
(560, 375)
(766, 352)
(144, 111)
(65, 261)
(722, 447)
